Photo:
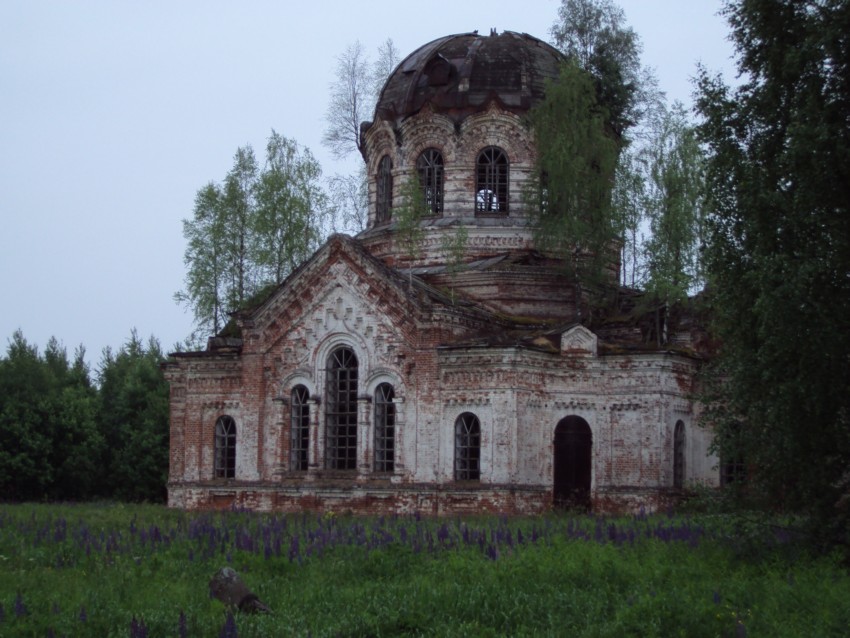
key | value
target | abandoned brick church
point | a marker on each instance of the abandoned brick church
(376, 381)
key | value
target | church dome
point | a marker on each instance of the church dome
(460, 74)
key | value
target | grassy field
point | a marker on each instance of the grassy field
(127, 570)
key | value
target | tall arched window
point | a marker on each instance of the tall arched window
(384, 183)
(384, 428)
(225, 447)
(430, 169)
(341, 410)
(679, 455)
(299, 428)
(467, 447)
(491, 181)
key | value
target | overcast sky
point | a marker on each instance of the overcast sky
(114, 113)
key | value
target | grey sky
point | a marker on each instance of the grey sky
(114, 113)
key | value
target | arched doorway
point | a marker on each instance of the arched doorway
(573, 444)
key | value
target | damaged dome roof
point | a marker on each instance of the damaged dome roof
(460, 74)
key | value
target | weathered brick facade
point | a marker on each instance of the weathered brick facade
(499, 399)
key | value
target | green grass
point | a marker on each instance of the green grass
(547, 576)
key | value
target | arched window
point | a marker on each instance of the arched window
(384, 428)
(225, 447)
(430, 169)
(341, 410)
(491, 181)
(299, 428)
(384, 182)
(679, 455)
(467, 447)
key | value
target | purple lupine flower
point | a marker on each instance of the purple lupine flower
(83, 616)
(492, 554)
(20, 608)
(228, 630)
(182, 630)
(716, 597)
(293, 549)
(138, 629)
(2, 613)
(61, 530)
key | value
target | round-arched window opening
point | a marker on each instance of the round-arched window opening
(491, 182)
(429, 166)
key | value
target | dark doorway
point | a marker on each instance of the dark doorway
(573, 442)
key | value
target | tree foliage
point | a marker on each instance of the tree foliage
(133, 416)
(675, 191)
(616, 166)
(63, 437)
(628, 198)
(408, 217)
(779, 251)
(349, 102)
(205, 261)
(238, 209)
(576, 158)
(354, 93)
(27, 401)
(290, 202)
(594, 34)
(249, 232)
(349, 199)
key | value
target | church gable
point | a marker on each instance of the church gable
(340, 289)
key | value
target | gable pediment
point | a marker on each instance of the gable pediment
(340, 288)
(579, 341)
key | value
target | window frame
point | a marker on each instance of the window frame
(299, 428)
(430, 168)
(341, 405)
(467, 447)
(224, 458)
(384, 425)
(492, 177)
